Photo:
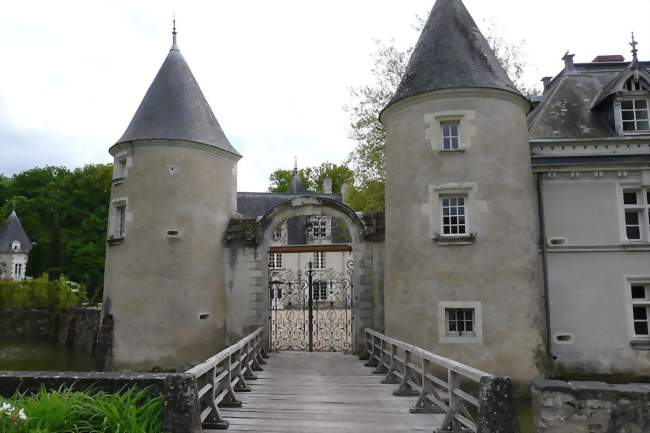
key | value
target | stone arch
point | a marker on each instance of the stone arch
(367, 276)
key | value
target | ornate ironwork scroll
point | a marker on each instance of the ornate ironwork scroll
(329, 313)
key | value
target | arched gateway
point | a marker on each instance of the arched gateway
(342, 304)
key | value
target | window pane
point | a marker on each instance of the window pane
(632, 218)
(469, 326)
(633, 233)
(641, 328)
(628, 126)
(641, 103)
(629, 197)
(454, 142)
(452, 314)
(627, 105)
(638, 292)
(643, 114)
(643, 125)
(640, 313)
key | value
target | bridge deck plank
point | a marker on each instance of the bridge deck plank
(323, 392)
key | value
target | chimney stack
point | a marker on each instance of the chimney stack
(547, 82)
(568, 62)
(327, 185)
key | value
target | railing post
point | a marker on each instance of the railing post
(365, 354)
(497, 412)
(255, 357)
(404, 389)
(259, 350)
(391, 378)
(381, 368)
(241, 386)
(230, 399)
(423, 405)
(248, 374)
(214, 420)
(372, 362)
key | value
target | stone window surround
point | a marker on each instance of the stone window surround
(121, 165)
(442, 322)
(644, 188)
(637, 342)
(467, 129)
(436, 192)
(114, 218)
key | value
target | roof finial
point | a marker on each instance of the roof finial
(635, 51)
(295, 165)
(174, 31)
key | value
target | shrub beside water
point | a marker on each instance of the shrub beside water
(69, 411)
(41, 293)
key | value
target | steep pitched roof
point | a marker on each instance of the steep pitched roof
(256, 204)
(451, 53)
(12, 230)
(296, 186)
(174, 108)
(567, 109)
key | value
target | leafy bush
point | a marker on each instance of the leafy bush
(41, 293)
(68, 411)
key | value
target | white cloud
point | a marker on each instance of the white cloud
(275, 73)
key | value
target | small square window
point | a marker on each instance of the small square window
(450, 135)
(460, 322)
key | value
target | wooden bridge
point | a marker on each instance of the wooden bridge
(396, 388)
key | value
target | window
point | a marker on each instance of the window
(450, 135)
(460, 322)
(121, 220)
(319, 260)
(636, 211)
(277, 233)
(276, 293)
(319, 227)
(640, 309)
(119, 172)
(635, 115)
(453, 214)
(15, 246)
(275, 261)
(319, 291)
(18, 270)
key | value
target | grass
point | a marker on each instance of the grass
(69, 411)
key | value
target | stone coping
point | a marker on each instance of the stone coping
(594, 390)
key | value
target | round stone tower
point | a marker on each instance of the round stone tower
(462, 268)
(174, 191)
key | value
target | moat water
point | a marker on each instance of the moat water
(42, 355)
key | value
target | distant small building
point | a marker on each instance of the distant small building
(14, 249)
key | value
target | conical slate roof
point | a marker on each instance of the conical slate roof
(174, 108)
(451, 53)
(12, 230)
(296, 186)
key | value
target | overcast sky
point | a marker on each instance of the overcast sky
(276, 73)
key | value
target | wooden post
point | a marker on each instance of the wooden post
(372, 362)
(241, 386)
(230, 399)
(424, 405)
(214, 420)
(391, 377)
(381, 368)
(404, 389)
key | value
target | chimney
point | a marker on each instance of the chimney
(568, 62)
(327, 185)
(345, 189)
(547, 82)
(608, 58)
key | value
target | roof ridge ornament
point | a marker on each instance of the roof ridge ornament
(635, 51)
(174, 47)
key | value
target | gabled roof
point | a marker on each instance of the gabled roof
(12, 230)
(635, 69)
(566, 110)
(451, 53)
(256, 204)
(174, 108)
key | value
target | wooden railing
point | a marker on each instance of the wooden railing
(468, 397)
(221, 377)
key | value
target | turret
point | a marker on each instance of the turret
(462, 269)
(174, 191)
(14, 248)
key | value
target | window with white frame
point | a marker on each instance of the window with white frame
(453, 214)
(635, 115)
(319, 260)
(275, 261)
(636, 213)
(277, 232)
(450, 135)
(18, 270)
(640, 309)
(460, 322)
(319, 227)
(276, 293)
(319, 291)
(15, 246)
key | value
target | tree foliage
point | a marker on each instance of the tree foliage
(367, 159)
(312, 177)
(65, 212)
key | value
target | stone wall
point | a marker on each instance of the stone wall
(28, 324)
(590, 407)
(178, 391)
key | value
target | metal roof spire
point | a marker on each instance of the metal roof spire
(635, 51)
(174, 47)
(295, 165)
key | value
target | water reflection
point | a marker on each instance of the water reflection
(42, 355)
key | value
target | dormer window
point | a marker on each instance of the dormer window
(634, 85)
(635, 115)
(15, 246)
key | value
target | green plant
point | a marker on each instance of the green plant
(68, 411)
(41, 293)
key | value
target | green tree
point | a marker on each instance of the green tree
(367, 159)
(312, 177)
